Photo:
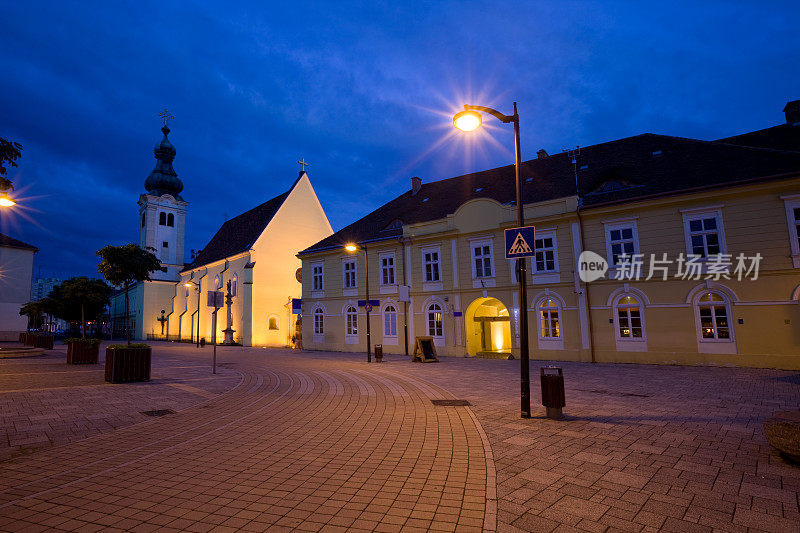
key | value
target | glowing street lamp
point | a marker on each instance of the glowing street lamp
(352, 247)
(469, 120)
(6, 201)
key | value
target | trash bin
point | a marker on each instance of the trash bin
(379, 352)
(202, 342)
(553, 391)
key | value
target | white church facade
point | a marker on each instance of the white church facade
(255, 251)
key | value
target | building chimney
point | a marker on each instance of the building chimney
(416, 185)
(792, 111)
(541, 153)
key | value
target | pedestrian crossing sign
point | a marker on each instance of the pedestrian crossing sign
(520, 242)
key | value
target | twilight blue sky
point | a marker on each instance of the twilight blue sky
(362, 90)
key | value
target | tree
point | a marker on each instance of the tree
(88, 295)
(125, 265)
(9, 153)
(33, 310)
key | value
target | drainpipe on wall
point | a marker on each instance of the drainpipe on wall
(586, 288)
(405, 304)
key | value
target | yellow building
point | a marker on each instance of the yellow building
(255, 252)
(700, 240)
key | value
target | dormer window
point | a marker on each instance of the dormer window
(657, 153)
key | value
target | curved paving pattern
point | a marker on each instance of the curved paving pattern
(297, 445)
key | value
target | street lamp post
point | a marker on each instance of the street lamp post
(191, 283)
(469, 120)
(353, 248)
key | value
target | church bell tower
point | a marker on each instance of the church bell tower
(162, 211)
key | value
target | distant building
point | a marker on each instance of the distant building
(42, 287)
(437, 257)
(16, 274)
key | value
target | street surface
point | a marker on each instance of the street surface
(315, 441)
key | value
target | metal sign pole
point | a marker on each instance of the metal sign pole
(214, 337)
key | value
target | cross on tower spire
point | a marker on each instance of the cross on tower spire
(166, 116)
(303, 164)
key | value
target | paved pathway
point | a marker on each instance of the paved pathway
(298, 444)
(307, 441)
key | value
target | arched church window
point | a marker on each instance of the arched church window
(218, 281)
(162, 219)
(234, 283)
(143, 219)
(171, 220)
(273, 322)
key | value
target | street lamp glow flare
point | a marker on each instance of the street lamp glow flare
(467, 120)
(5, 201)
(351, 248)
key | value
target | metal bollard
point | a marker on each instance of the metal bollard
(553, 391)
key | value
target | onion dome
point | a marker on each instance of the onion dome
(163, 179)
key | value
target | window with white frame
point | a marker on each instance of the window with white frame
(351, 321)
(629, 318)
(549, 324)
(704, 232)
(622, 240)
(349, 273)
(793, 220)
(712, 310)
(319, 321)
(430, 264)
(435, 328)
(390, 321)
(482, 265)
(387, 269)
(317, 283)
(545, 259)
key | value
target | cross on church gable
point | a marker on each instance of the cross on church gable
(303, 164)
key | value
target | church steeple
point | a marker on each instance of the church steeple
(163, 179)
(162, 212)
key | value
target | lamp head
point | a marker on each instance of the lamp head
(467, 120)
(188, 284)
(350, 247)
(5, 201)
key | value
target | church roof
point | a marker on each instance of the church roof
(10, 242)
(163, 179)
(239, 234)
(632, 168)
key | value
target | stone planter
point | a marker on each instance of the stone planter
(127, 364)
(782, 430)
(82, 353)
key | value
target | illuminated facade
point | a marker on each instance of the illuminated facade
(438, 267)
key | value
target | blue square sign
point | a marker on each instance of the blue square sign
(520, 242)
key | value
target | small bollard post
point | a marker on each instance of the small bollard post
(553, 391)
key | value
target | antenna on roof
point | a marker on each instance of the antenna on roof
(573, 155)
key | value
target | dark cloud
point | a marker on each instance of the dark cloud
(363, 90)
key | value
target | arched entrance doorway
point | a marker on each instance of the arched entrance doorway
(488, 327)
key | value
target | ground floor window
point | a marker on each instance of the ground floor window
(390, 321)
(319, 321)
(351, 321)
(549, 326)
(435, 328)
(629, 318)
(713, 313)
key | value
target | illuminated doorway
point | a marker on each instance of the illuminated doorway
(488, 327)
